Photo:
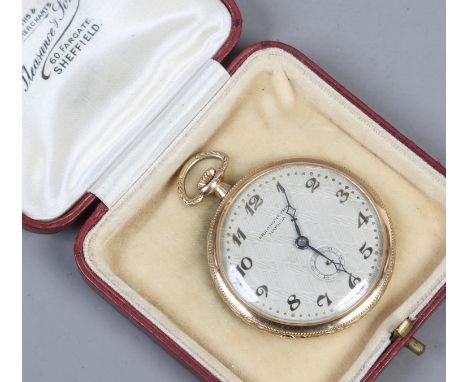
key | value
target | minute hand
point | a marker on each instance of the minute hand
(353, 280)
(290, 210)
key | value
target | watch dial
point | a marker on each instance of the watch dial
(301, 244)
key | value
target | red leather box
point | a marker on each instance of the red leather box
(156, 73)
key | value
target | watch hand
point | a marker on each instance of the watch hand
(353, 280)
(290, 210)
(302, 242)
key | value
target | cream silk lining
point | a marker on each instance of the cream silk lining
(113, 72)
(152, 249)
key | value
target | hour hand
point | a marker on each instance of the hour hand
(290, 210)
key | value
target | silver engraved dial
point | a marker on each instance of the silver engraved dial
(300, 244)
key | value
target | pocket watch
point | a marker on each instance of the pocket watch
(298, 248)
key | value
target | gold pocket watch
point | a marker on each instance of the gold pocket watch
(299, 247)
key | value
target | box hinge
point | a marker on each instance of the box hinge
(413, 344)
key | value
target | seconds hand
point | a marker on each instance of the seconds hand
(353, 280)
(302, 242)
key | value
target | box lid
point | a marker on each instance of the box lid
(95, 76)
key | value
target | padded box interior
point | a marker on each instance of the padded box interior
(152, 249)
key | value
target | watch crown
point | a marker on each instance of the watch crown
(210, 182)
(206, 178)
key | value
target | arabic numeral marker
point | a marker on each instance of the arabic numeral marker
(313, 184)
(324, 297)
(252, 205)
(236, 237)
(342, 195)
(353, 281)
(262, 290)
(245, 264)
(362, 219)
(293, 302)
(366, 251)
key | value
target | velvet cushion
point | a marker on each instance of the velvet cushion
(152, 249)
